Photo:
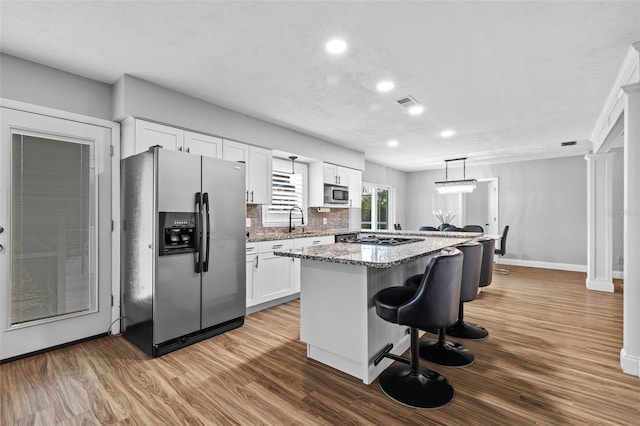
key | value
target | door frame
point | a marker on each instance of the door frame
(462, 202)
(115, 188)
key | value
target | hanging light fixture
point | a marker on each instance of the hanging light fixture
(293, 167)
(456, 186)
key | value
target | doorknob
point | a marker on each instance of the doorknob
(1, 229)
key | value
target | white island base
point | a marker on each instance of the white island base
(338, 320)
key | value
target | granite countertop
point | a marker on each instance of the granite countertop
(271, 236)
(380, 256)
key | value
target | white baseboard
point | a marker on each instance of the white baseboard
(600, 285)
(630, 364)
(550, 265)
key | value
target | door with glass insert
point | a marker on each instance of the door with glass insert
(55, 216)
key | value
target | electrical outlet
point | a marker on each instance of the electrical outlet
(620, 260)
(248, 222)
(324, 221)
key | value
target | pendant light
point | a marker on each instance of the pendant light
(293, 167)
(456, 186)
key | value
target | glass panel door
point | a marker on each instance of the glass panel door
(376, 210)
(382, 208)
(52, 263)
(55, 217)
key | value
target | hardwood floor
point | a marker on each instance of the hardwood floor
(552, 357)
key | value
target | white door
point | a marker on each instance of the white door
(55, 213)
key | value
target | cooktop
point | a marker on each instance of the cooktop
(382, 241)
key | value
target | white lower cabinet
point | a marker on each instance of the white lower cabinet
(270, 277)
(252, 263)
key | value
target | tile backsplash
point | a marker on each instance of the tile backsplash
(337, 218)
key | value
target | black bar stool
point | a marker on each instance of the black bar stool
(445, 352)
(434, 304)
(466, 330)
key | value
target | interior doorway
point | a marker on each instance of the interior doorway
(480, 207)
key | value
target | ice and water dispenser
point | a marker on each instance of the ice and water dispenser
(177, 233)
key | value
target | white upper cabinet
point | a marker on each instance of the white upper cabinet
(259, 169)
(331, 174)
(196, 143)
(355, 188)
(139, 135)
(335, 174)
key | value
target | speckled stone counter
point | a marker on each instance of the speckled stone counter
(379, 256)
(338, 321)
(272, 236)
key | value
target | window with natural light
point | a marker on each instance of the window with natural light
(376, 207)
(289, 190)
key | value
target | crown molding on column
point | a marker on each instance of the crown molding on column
(614, 106)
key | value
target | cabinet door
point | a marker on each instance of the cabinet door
(330, 173)
(236, 151)
(275, 275)
(252, 290)
(260, 171)
(149, 134)
(342, 175)
(355, 188)
(199, 144)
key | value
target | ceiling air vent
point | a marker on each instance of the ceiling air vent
(407, 102)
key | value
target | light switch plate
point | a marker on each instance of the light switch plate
(324, 221)
(248, 222)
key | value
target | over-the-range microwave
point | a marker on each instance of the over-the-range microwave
(334, 194)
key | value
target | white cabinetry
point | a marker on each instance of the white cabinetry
(139, 135)
(335, 174)
(252, 264)
(259, 169)
(295, 263)
(197, 143)
(270, 275)
(326, 173)
(355, 188)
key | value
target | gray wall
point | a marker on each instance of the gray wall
(140, 98)
(36, 84)
(543, 202)
(383, 175)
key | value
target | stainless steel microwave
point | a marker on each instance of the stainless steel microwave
(334, 194)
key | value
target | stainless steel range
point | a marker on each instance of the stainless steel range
(382, 241)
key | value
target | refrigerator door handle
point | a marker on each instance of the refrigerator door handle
(205, 266)
(197, 253)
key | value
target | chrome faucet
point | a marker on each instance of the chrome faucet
(291, 227)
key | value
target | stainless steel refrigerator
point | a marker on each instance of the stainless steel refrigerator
(183, 248)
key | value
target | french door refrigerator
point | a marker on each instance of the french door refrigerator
(183, 248)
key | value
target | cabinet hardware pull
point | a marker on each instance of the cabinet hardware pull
(180, 148)
(277, 246)
(189, 150)
(257, 257)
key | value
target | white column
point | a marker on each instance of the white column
(630, 353)
(599, 222)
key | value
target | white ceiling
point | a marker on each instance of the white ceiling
(512, 78)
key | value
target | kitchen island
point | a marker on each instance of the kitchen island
(338, 321)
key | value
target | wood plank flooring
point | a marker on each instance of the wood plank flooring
(552, 357)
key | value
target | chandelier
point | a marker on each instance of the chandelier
(456, 186)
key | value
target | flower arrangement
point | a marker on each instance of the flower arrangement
(444, 217)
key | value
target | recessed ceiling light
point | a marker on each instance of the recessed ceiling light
(385, 86)
(416, 109)
(336, 46)
(447, 133)
(392, 142)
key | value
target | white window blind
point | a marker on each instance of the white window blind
(288, 190)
